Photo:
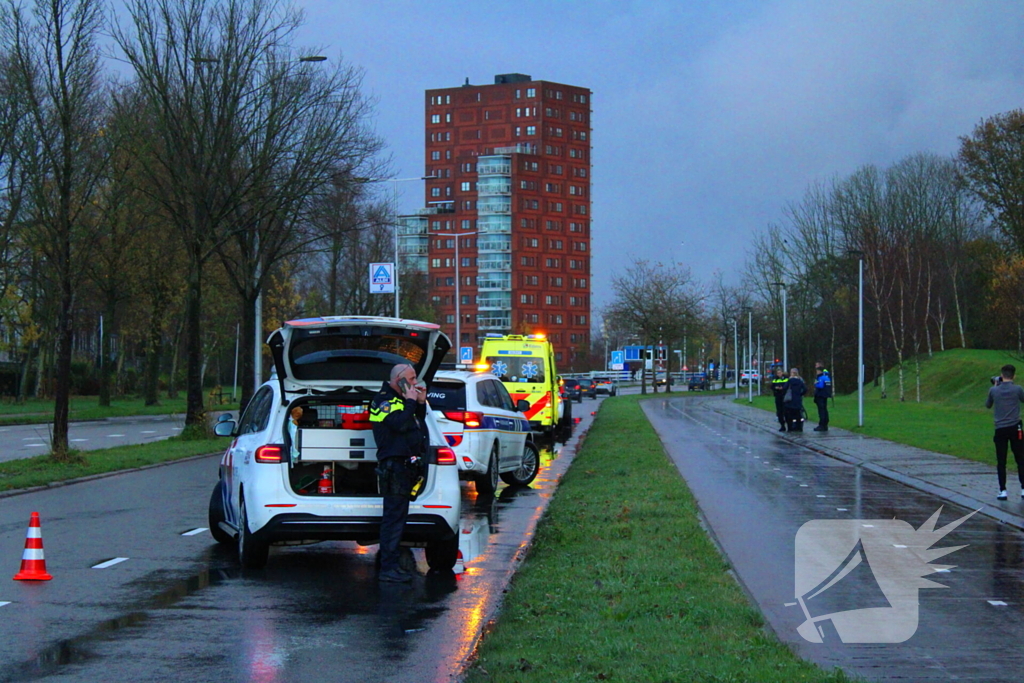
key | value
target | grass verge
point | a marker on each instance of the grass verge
(40, 470)
(622, 583)
(39, 411)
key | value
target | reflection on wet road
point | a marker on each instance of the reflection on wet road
(316, 613)
(757, 490)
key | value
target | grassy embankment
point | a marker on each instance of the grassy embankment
(951, 417)
(39, 411)
(39, 470)
(623, 584)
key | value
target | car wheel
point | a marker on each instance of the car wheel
(527, 470)
(216, 515)
(441, 555)
(252, 552)
(487, 483)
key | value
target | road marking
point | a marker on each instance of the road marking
(842, 509)
(79, 440)
(869, 526)
(148, 431)
(109, 563)
(897, 545)
(29, 445)
(997, 603)
(29, 438)
(803, 486)
(175, 429)
(114, 436)
(195, 531)
(788, 604)
(821, 495)
(2, 604)
(776, 469)
(942, 571)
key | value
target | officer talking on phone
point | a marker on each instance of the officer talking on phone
(397, 413)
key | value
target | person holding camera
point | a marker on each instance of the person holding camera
(1006, 397)
(397, 413)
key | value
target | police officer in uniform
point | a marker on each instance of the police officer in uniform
(822, 393)
(397, 413)
(779, 384)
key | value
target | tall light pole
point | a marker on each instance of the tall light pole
(458, 313)
(785, 346)
(750, 348)
(860, 334)
(736, 356)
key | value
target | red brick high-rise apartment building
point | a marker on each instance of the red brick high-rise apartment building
(511, 167)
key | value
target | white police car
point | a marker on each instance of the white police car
(489, 433)
(316, 482)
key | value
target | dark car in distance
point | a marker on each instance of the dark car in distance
(698, 382)
(588, 387)
(572, 391)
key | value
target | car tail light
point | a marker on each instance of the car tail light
(466, 417)
(270, 454)
(445, 456)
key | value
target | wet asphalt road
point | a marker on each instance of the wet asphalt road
(24, 441)
(756, 490)
(179, 609)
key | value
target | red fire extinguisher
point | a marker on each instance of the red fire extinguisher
(326, 481)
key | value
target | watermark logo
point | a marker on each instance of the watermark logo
(858, 579)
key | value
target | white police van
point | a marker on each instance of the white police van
(317, 482)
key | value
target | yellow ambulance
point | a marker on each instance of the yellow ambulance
(525, 364)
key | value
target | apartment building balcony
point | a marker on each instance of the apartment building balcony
(492, 205)
(494, 323)
(520, 148)
(490, 244)
(494, 165)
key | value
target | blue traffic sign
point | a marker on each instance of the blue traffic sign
(466, 354)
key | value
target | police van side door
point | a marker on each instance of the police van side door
(514, 426)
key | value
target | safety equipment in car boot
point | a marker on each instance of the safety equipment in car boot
(326, 486)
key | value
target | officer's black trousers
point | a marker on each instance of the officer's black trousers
(822, 404)
(780, 411)
(395, 480)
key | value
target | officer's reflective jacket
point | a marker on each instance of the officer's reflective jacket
(397, 423)
(823, 385)
(779, 386)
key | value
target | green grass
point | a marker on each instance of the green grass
(623, 584)
(38, 411)
(40, 470)
(951, 417)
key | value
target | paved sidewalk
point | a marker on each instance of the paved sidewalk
(964, 482)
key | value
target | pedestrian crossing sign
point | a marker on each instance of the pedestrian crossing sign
(382, 278)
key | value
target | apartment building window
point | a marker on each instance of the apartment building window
(450, 319)
(527, 299)
(527, 261)
(555, 244)
(581, 320)
(531, 204)
(435, 192)
(555, 169)
(435, 118)
(465, 299)
(468, 280)
(579, 246)
(467, 205)
(466, 187)
(449, 244)
(467, 243)
(449, 281)
(518, 131)
(583, 135)
(554, 263)
(555, 281)
(557, 206)
(556, 318)
(435, 155)
(579, 172)
(531, 130)
(518, 93)
(465, 223)
(435, 263)
(448, 191)
(531, 279)
(448, 155)
(531, 92)
(468, 168)
(436, 299)
(581, 209)
(448, 117)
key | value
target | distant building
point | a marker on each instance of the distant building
(512, 166)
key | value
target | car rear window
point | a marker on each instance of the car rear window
(447, 395)
(354, 353)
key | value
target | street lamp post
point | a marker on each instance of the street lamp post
(458, 313)
(750, 349)
(860, 334)
(736, 357)
(785, 346)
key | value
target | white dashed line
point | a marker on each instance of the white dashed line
(803, 486)
(109, 563)
(29, 438)
(821, 495)
(3, 604)
(869, 526)
(997, 603)
(789, 476)
(148, 431)
(30, 445)
(79, 440)
(897, 545)
(942, 571)
(195, 531)
(114, 436)
(776, 469)
(842, 509)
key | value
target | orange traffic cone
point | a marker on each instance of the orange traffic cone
(33, 564)
(460, 564)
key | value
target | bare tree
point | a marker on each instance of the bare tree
(56, 62)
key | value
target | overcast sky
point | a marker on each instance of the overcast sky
(709, 117)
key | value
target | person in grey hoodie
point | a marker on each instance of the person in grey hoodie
(1007, 397)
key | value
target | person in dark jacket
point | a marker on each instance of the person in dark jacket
(794, 401)
(779, 384)
(822, 393)
(397, 413)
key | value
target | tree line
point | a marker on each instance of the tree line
(219, 166)
(941, 244)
